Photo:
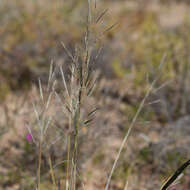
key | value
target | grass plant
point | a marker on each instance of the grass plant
(78, 86)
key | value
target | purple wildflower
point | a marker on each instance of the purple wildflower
(29, 137)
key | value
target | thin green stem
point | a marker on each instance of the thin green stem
(39, 164)
(52, 172)
(68, 162)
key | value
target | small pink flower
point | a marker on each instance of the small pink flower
(29, 137)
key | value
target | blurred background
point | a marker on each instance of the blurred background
(148, 33)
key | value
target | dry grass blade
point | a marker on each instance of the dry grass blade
(68, 52)
(89, 11)
(163, 60)
(162, 86)
(47, 125)
(91, 90)
(49, 100)
(58, 164)
(52, 172)
(101, 15)
(98, 54)
(128, 132)
(150, 89)
(154, 102)
(175, 175)
(110, 28)
(41, 90)
(88, 121)
(36, 112)
(126, 185)
(93, 112)
(50, 74)
(64, 82)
